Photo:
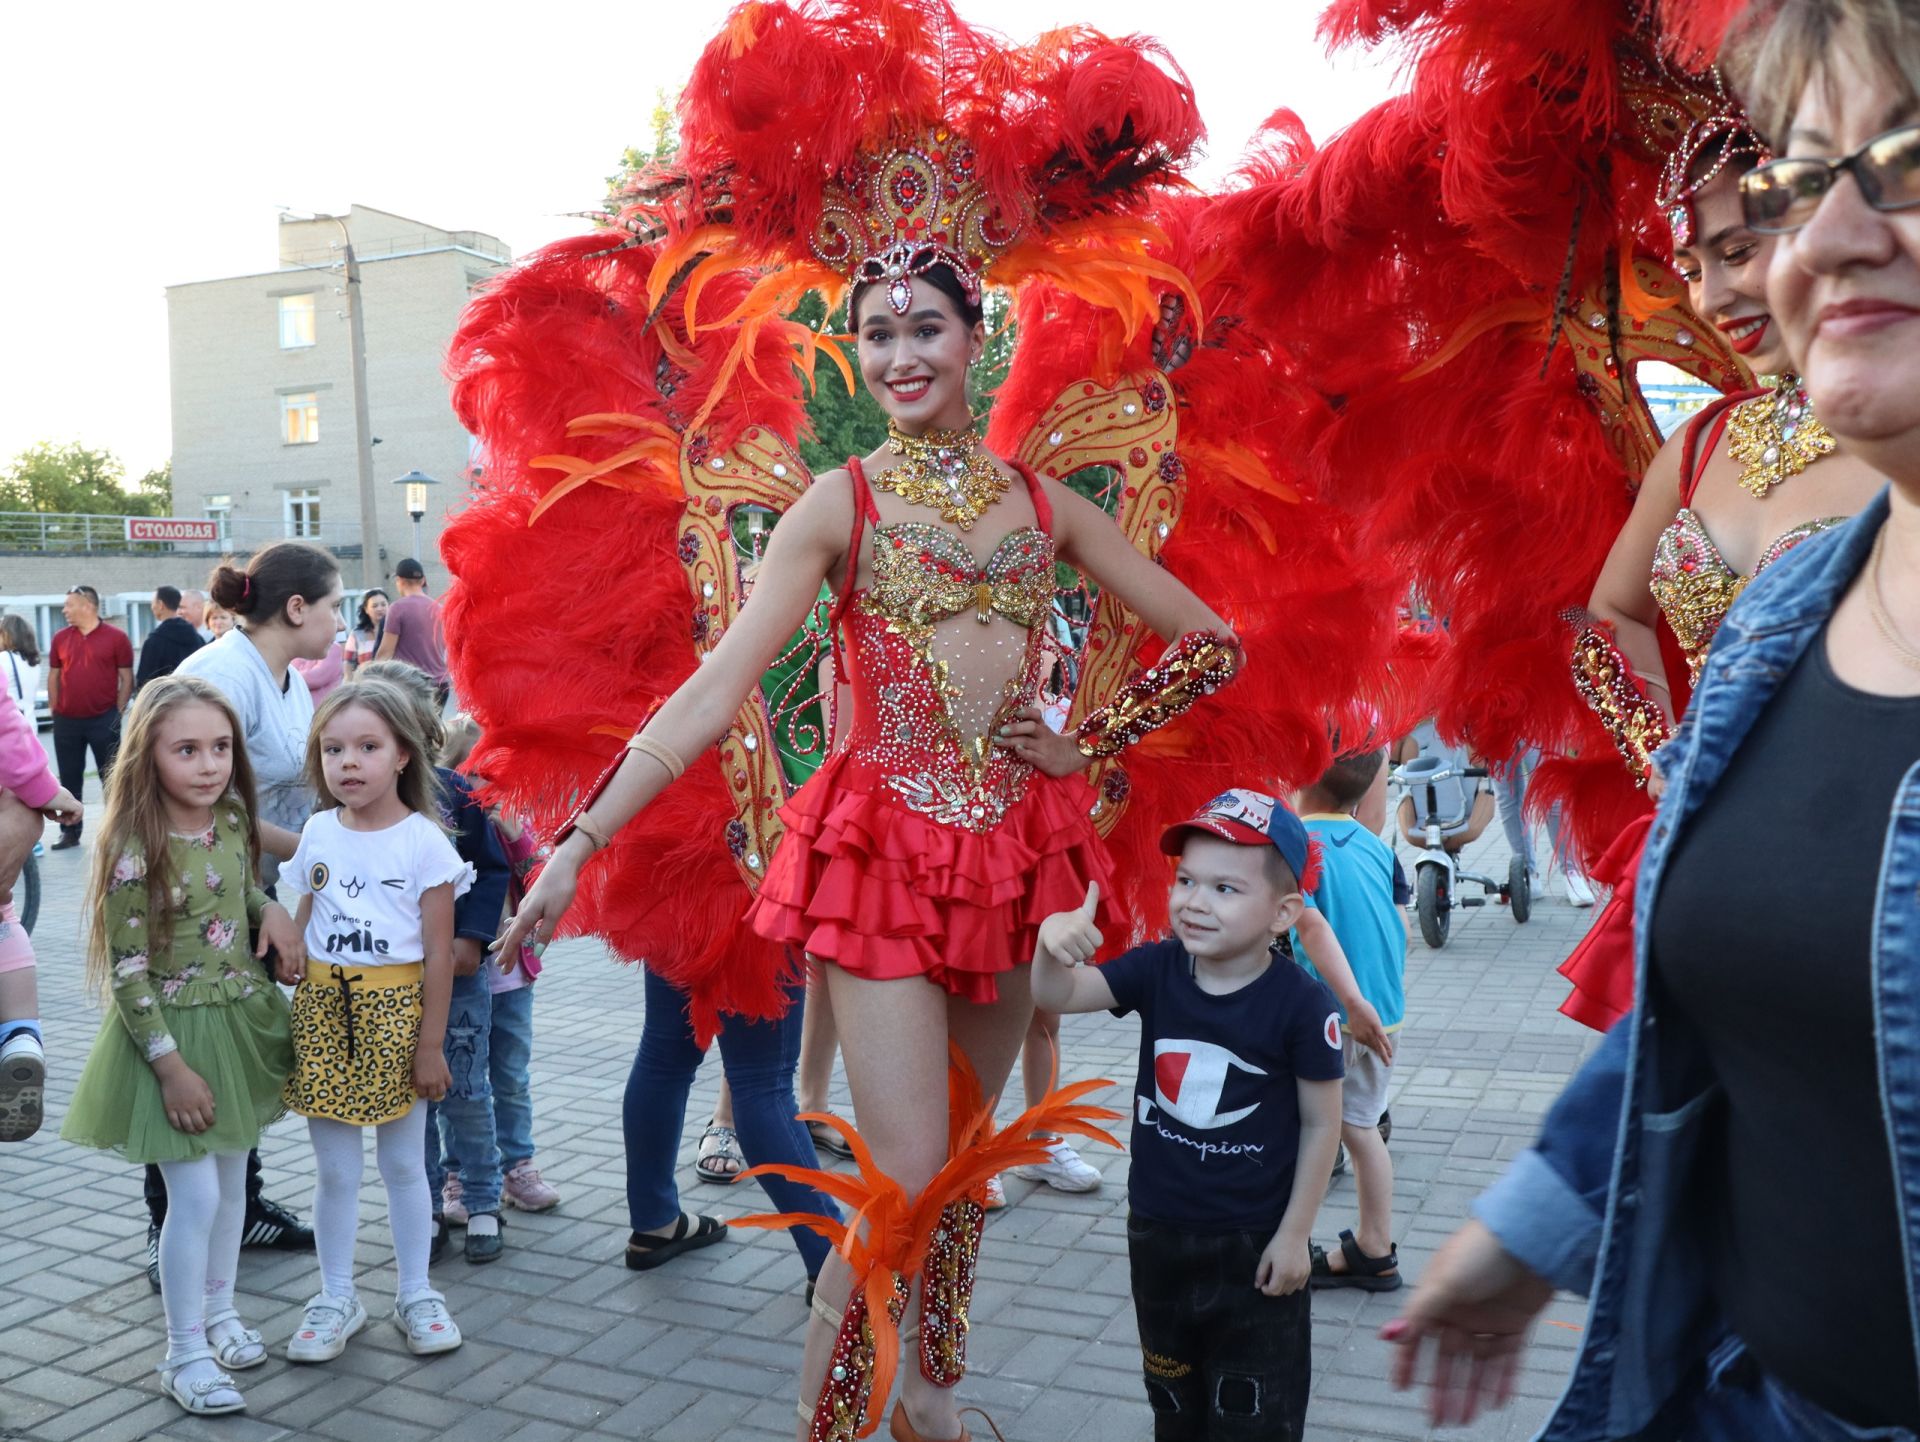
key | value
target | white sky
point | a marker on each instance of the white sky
(152, 144)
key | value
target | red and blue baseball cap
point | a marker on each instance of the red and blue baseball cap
(1252, 818)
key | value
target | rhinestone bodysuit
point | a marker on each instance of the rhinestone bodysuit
(942, 646)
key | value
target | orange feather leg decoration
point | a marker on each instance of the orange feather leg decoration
(886, 1234)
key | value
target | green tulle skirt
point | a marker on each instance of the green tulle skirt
(242, 1049)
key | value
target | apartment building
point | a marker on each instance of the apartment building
(263, 407)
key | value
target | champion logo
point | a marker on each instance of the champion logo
(1333, 1030)
(1189, 1078)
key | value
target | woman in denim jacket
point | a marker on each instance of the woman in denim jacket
(1734, 1176)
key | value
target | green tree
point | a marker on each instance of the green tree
(73, 478)
(665, 145)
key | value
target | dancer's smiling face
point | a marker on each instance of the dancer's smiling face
(1725, 269)
(915, 364)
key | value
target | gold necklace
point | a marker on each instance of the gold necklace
(947, 470)
(1777, 436)
(1905, 653)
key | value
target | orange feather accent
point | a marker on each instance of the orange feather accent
(887, 1235)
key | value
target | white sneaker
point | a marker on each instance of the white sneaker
(428, 1326)
(323, 1331)
(1579, 889)
(1065, 1170)
(996, 1196)
(23, 1086)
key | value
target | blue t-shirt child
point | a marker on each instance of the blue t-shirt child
(1216, 1118)
(1357, 897)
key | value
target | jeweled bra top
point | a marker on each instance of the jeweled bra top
(1695, 587)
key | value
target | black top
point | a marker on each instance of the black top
(1216, 1118)
(166, 646)
(1761, 945)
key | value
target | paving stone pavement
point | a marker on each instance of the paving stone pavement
(563, 1343)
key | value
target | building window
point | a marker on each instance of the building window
(219, 510)
(296, 321)
(300, 418)
(303, 514)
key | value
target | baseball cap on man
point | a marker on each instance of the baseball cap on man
(1252, 818)
(410, 570)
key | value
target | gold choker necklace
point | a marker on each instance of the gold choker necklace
(949, 471)
(1777, 436)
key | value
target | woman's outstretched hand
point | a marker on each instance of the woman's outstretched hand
(1026, 734)
(540, 910)
(1476, 1303)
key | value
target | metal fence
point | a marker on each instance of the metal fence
(42, 532)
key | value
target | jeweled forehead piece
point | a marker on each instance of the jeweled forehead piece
(913, 208)
(1724, 137)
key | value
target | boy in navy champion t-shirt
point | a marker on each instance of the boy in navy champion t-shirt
(1236, 1117)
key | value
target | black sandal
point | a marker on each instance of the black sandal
(1369, 1274)
(826, 1139)
(645, 1252)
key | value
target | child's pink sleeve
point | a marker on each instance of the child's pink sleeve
(23, 765)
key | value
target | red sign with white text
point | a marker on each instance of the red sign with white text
(170, 528)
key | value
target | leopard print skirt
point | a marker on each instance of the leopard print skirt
(354, 1032)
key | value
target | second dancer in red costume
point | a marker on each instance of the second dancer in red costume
(1749, 477)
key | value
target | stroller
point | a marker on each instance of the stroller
(1444, 804)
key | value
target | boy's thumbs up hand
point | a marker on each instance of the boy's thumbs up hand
(1071, 937)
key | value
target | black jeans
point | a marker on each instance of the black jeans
(1223, 1361)
(72, 735)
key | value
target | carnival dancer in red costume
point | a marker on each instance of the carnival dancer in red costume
(637, 391)
(1476, 271)
(1714, 510)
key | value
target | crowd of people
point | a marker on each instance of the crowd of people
(299, 802)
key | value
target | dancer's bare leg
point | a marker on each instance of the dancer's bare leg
(894, 1043)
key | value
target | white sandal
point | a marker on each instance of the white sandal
(238, 1347)
(203, 1398)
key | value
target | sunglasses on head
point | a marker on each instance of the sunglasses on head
(1781, 196)
(87, 591)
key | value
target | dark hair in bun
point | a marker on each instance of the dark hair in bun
(259, 594)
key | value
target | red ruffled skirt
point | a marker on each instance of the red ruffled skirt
(884, 892)
(1601, 966)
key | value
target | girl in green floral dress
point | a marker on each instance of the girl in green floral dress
(189, 1065)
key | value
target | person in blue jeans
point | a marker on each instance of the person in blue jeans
(1734, 1176)
(463, 1121)
(759, 1057)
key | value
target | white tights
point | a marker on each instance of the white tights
(339, 1155)
(200, 1244)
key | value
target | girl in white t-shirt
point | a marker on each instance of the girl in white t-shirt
(376, 879)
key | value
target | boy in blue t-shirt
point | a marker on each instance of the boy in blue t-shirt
(1236, 1119)
(1357, 896)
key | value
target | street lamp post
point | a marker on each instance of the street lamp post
(416, 483)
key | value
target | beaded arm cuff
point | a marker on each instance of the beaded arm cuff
(646, 746)
(1198, 665)
(577, 822)
(1608, 683)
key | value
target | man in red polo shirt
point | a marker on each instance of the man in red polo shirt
(89, 677)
